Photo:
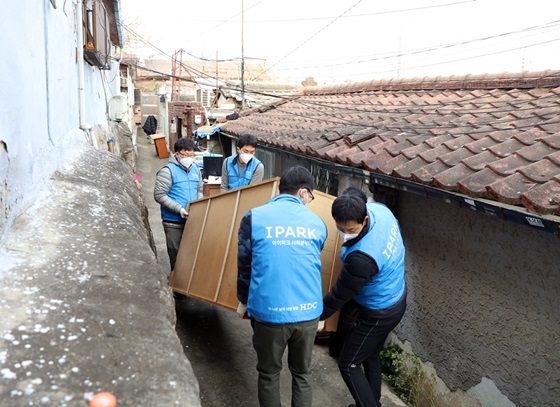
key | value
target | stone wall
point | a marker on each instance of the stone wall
(483, 300)
(84, 304)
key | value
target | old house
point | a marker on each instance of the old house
(64, 87)
(471, 168)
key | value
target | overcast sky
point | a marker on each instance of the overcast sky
(357, 40)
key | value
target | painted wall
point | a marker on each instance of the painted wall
(39, 105)
(484, 296)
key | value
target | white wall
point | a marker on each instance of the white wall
(39, 104)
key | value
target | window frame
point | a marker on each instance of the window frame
(96, 33)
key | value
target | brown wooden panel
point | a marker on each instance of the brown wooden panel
(214, 245)
(211, 189)
(210, 237)
(206, 265)
(330, 258)
(190, 243)
(249, 198)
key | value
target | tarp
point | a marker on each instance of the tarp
(206, 131)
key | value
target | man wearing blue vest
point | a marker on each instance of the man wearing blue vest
(178, 183)
(279, 285)
(373, 276)
(242, 168)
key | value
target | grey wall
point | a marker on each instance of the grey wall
(483, 300)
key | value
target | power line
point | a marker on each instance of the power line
(401, 109)
(387, 70)
(310, 38)
(393, 55)
(405, 68)
(295, 20)
(440, 106)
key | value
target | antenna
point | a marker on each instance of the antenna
(242, 58)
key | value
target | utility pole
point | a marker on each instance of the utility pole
(173, 80)
(242, 58)
(180, 75)
(217, 84)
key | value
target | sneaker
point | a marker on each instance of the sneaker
(179, 296)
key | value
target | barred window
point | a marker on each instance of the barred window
(326, 180)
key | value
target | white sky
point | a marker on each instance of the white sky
(357, 40)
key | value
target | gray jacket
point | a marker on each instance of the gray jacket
(163, 186)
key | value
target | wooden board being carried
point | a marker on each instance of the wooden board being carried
(206, 266)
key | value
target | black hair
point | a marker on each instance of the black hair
(295, 178)
(356, 192)
(349, 207)
(184, 144)
(246, 140)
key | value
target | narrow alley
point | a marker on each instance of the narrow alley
(218, 343)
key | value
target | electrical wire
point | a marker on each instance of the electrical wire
(307, 103)
(308, 39)
(493, 53)
(439, 107)
(393, 55)
(414, 52)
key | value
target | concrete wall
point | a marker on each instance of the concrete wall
(483, 302)
(84, 306)
(39, 98)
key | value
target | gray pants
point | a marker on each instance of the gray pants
(270, 341)
(173, 235)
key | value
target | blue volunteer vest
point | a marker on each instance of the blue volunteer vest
(383, 242)
(236, 180)
(287, 239)
(184, 188)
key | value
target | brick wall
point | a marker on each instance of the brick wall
(181, 120)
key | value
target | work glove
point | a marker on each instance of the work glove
(321, 326)
(242, 310)
(184, 213)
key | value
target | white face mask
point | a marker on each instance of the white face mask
(245, 157)
(186, 162)
(347, 236)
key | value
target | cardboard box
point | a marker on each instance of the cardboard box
(206, 266)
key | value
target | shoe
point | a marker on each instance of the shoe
(179, 296)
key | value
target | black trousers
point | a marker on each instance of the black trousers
(359, 362)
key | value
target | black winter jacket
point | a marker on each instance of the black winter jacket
(150, 126)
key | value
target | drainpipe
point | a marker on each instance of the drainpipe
(47, 76)
(81, 82)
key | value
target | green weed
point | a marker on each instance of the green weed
(402, 371)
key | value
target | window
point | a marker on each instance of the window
(97, 46)
(205, 96)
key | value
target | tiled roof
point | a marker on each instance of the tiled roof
(488, 136)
